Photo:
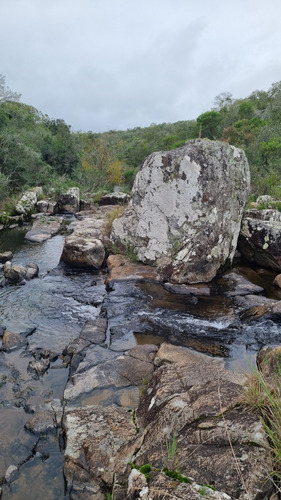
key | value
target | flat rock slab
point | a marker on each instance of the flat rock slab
(122, 269)
(239, 285)
(198, 290)
(187, 396)
(94, 331)
(102, 368)
(96, 437)
(44, 228)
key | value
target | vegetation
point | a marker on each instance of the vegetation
(35, 149)
(263, 396)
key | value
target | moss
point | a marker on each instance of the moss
(176, 475)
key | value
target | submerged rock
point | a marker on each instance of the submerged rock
(186, 210)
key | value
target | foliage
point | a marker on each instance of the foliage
(208, 124)
(263, 396)
(35, 149)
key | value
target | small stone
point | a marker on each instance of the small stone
(11, 474)
(5, 256)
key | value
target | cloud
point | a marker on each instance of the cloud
(112, 64)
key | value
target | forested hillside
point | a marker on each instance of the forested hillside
(35, 149)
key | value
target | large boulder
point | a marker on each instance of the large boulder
(27, 202)
(69, 202)
(85, 247)
(186, 210)
(260, 238)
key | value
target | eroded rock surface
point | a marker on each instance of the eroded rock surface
(190, 398)
(27, 202)
(69, 202)
(260, 238)
(85, 247)
(186, 210)
(44, 228)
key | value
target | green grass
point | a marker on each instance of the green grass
(263, 396)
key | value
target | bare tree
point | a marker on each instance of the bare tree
(6, 94)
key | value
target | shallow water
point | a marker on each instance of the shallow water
(57, 304)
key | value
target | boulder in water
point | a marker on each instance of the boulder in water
(69, 202)
(186, 210)
(260, 238)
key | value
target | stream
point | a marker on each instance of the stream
(55, 307)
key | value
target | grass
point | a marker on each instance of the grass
(263, 396)
(111, 216)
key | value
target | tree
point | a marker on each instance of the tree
(6, 94)
(208, 124)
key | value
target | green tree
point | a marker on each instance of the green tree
(208, 124)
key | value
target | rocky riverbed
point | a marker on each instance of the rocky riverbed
(101, 370)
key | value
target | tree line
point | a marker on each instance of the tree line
(35, 149)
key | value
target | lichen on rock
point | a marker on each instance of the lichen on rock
(186, 210)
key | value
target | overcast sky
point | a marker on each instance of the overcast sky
(118, 64)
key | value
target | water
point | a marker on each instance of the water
(57, 304)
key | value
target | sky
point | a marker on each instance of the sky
(118, 64)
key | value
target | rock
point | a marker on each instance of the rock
(264, 199)
(96, 437)
(260, 241)
(269, 362)
(38, 366)
(251, 301)
(119, 372)
(5, 256)
(184, 398)
(45, 207)
(17, 274)
(122, 269)
(85, 247)
(198, 290)
(239, 285)
(32, 271)
(116, 198)
(189, 396)
(83, 252)
(13, 272)
(11, 474)
(277, 281)
(27, 203)
(161, 486)
(41, 423)
(69, 202)
(44, 228)
(186, 208)
(266, 215)
(94, 331)
(12, 341)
